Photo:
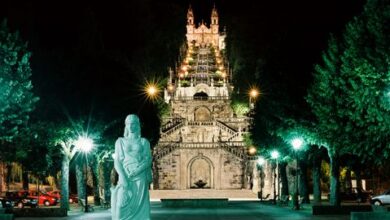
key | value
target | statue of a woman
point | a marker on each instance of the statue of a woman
(132, 161)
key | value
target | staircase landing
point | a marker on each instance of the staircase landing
(241, 195)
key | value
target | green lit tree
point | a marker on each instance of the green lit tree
(366, 75)
(324, 96)
(349, 96)
(16, 98)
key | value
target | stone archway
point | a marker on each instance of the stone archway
(202, 114)
(200, 168)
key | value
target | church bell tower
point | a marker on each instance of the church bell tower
(214, 21)
(190, 20)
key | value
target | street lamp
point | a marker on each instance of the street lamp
(151, 90)
(260, 163)
(253, 94)
(297, 145)
(275, 155)
(85, 144)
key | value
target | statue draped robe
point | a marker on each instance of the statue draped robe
(130, 197)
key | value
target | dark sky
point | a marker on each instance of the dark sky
(91, 54)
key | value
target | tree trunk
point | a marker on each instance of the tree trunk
(8, 178)
(334, 180)
(316, 174)
(107, 167)
(348, 180)
(65, 183)
(80, 179)
(24, 178)
(303, 185)
(95, 183)
(283, 178)
(2, 177)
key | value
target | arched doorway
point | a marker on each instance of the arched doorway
(200, 173)
(202, 114)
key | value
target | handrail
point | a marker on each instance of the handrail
(164, 148)
(199, 98)
(226, 127)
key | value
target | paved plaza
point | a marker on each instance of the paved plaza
(235, 210)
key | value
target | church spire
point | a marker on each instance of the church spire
(190, 16)
(214, 16)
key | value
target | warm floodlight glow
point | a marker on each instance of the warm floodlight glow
(170, 87)
(181, 75)
(184, 68)
(297, 143)
(252, 150)
(151, 90)
(274, 154)
(261, 161)
(253, 93)
(84, 144)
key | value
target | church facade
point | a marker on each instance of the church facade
(202, 140)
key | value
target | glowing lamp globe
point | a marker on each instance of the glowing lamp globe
(297, 143)
(274, 154)
(252, 150)
(253, 93)
(261, 161)
(152, 90)
(84, 144)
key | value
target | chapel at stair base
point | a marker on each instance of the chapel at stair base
(201, 140)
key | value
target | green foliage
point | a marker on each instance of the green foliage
(163, 108)
(16, 97)
(349, 96)
(240, 108)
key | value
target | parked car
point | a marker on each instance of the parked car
(21, 201)
(355, 194)
(6, 203)
(382, 199)
(57, 194)
(43, 199)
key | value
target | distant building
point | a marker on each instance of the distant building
(203, 35)
(201, 142)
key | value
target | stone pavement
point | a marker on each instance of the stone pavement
(236, 210)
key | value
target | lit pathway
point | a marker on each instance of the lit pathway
(234, 211)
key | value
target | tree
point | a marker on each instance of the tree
(349, 96)
(323, 96)
(366, 73)
(16, 99)
(65, 137)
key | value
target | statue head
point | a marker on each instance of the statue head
(132, 126)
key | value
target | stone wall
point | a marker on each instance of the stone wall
(182, 168)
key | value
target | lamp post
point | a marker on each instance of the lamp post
(253, 93)
(297, 144)
(260, 163)
(85, 144)
(275, 156)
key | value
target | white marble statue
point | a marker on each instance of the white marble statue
(132, 161)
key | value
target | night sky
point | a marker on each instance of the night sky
(93, 57)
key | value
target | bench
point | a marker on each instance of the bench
(82, 204)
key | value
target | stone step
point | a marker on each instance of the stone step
(246, 195)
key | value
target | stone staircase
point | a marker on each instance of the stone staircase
(231, 194)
